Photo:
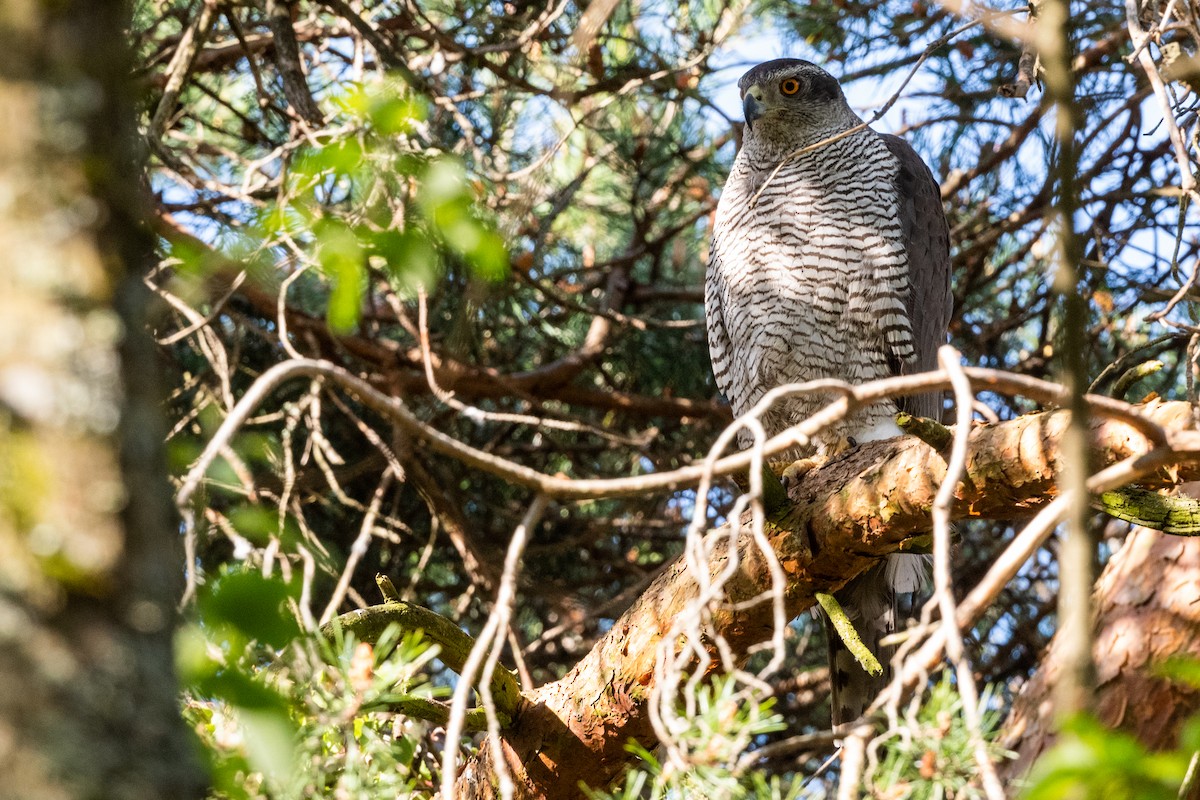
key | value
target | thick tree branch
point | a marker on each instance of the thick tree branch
(1148, 611)
(1179, 516)
(844, 516)
(287, 61)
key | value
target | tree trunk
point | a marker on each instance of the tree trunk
(89, 570)
(841, 518)
(1147, 610)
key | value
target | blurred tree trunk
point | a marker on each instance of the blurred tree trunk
(89, 570)
(1147, 610)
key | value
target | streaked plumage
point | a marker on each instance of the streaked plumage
(840, 269)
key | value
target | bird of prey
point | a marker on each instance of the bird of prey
(829, 259)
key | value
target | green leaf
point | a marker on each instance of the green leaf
(193, 258)
(445, 182)
(340, 157)
(446, 201)
(242, 689)
(270, 741)
(256, 523)
(389, 105)
(192, 658)
(1181, 669)
(1189, 735)
(393, 114)
(1092, 761)
(342, 257)
(251, 604)
(411, 261)
(490, 257)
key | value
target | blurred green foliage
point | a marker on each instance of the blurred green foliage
(1090, 761)
(281, 715)
(934, 759)
(361, 202)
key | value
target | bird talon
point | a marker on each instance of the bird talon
(796, 470)
(839, 445)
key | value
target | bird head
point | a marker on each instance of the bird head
(788, 99)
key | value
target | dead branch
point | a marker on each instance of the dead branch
(843, 517)
(287, 61)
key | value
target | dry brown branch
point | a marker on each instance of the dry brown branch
(181, 65)
(597, 14)
(402, 369)
(478, 560)
(287, 61)
(1027, 65)
(221, 55)
(844, 516)
(850, 399)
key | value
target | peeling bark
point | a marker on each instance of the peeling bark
(1147, 609)
(842, 518)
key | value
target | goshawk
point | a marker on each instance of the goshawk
(828, 261)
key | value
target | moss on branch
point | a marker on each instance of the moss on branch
(368, 624)
(933, 433)
(1175, 515)
(847, 633)
(437, 712)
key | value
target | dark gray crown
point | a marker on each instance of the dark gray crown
(820, 84)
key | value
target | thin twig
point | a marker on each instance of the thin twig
(485, 654)
(1189, 778)
(1187, 181)
(1162, 23)
(359, 548)
(950, 360)
(1184, 288)
(853, 397)
(479, 415)
(201, 322)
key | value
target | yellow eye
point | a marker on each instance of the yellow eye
(789, 86)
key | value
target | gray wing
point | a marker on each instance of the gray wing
(927, 240)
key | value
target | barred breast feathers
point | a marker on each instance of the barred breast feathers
(809, 281)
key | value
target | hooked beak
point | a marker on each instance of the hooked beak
(752, 107)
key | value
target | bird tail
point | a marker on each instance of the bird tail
(875, 602)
